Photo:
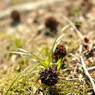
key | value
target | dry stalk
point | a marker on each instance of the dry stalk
(91, 68)
(87, 73)
(74, 79)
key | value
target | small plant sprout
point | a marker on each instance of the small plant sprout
(51, 23)
(15, 15)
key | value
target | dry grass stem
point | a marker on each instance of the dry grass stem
(87, 73)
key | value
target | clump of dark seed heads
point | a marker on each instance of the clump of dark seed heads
(51, 23)
(49, 77)
(60, 52)
(15, 15)
(86, 40)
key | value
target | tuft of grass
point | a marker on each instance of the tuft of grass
(42, 62)
(23, 81)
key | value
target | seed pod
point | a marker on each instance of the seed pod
(86, 40)
(51, 23)
(60, 52)
(15, 15)
(49, 77)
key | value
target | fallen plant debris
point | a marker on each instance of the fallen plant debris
(90, 53)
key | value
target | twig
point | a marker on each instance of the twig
(91, 68)
(80, 49)
(86, 72)
(74, 79)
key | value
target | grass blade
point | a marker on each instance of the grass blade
(59, 64)
(31, 70)
(22, 50)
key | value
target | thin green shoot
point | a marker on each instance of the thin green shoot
(52, 34)
(59, 63)
(28, 54)
(32, 69)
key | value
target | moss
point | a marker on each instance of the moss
(23, 86)
(28, 85)
(63, 88)
(70, 87)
